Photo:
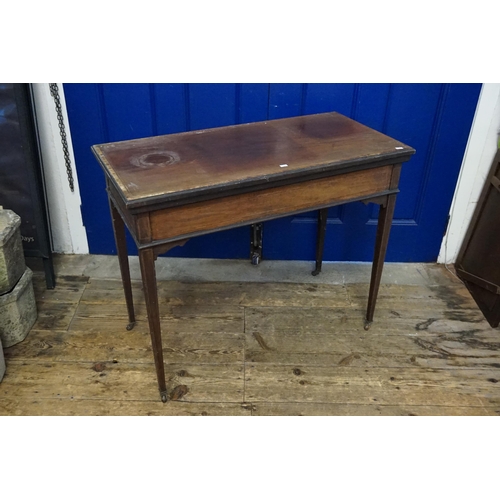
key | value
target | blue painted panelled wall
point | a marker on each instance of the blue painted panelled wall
(435, 119)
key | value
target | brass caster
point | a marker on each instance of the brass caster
(163, 395)
(130, 325)
(368, 324)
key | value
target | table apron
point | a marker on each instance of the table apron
(240, 209)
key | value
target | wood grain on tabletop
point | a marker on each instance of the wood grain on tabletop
(198, 160)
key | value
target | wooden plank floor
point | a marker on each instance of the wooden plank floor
(256, 349)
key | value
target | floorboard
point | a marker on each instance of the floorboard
(257, 349)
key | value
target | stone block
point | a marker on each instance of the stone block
(18, 311)
(12, 263)
(2, 362)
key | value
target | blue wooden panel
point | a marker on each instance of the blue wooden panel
(170, 103)
(254, 101)
(212, 105)
(285, 100)
(371, 106)
(325, 97)
(127, 108)
(435, 119)
(88, 127)
(412, 117)
(458, 107)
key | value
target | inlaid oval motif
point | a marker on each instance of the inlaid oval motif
(155, 159)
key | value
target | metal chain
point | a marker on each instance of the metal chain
(54, 92)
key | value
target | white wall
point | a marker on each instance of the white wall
(481, 148)
(68, 232)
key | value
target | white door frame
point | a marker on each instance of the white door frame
(66, 225)
(479, 153)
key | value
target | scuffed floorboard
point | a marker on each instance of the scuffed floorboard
(257, 349)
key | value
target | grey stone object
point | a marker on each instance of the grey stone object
(18, 311)
(12, 265)
(2, 363)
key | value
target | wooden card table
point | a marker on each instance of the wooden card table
(170, 188)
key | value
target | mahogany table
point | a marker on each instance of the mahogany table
(167, 189)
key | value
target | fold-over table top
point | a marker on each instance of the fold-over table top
(208, 162)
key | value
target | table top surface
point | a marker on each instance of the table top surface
(161, 168)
